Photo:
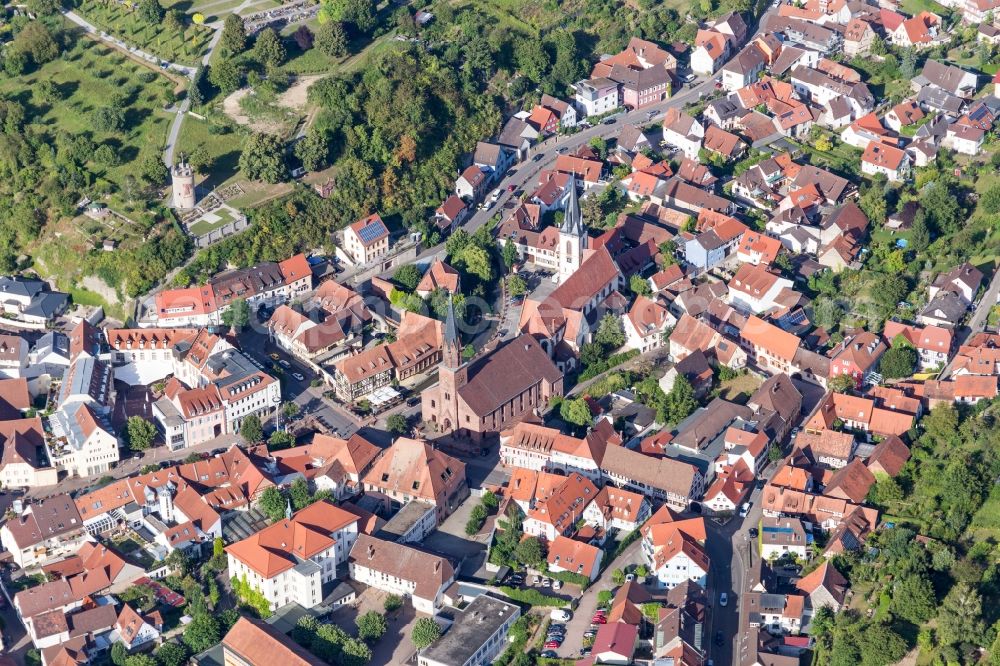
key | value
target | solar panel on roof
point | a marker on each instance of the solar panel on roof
(371, 231)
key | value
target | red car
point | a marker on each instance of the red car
(551, 644)
(511, 188)
(599, 619)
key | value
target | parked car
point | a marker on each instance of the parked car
(285, 364)
(609, 121)
(629, 578)
(560, 615)
(536, 579)
(745, 509)
(552, 644)
(298, 376)
(538, 157)
(689, 78)
(511, 187)
(599, 619)
(585, 652)
(556, 584)
(546, 582)
(273, 356)
(723, 599)
(549, 654)
(753, 532)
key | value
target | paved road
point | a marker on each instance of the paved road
(114, 41)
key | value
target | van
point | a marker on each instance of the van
(745, 509)
(560, 615)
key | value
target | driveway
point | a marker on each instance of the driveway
(450, 540)
(580, 621)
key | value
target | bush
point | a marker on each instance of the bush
(531, 596)
(392, 602)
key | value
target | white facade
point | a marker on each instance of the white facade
(674, 571)
(399, 586)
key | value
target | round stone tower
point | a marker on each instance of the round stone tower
(182, 179)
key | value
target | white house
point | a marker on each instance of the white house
(133, 630)
(646, 323)
(783, 537)
(674, 549)
(289, 561)
(401, 570)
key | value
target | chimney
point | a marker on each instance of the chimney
(437, 566)
(371, 551)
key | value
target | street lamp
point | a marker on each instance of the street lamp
(277, 413)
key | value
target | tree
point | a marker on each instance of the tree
(509, 254)
(960, 617)
(251, 430)
(396, 424)
(516, 286)
(237, 315)
(823, 143)
(108, 119)
(618, 577)
(269, 49)
(530, 552)
(604, 598)
(314, 149)
(140, 660)
(913, 599)
(371, 626)
(218, 547)
(226, 76)
(639, 286)
(36, 41)
(118, 654)
(359, 13)
(303, 38)
(575, 411)
(299, 494)
(198, 19)
(920, 235)
(46, 92)
(173, 21)
(680, 402)
(290, 409)
(202, 633)
(140, 433)
(172, 654)
(880, 645)
(331, 39)
(150, 11)
(425, 632)
(610, 333)
(152, 169)
(263, 158)
(990, 201)
(407, 276)
(899, 361)
(273, 504)
(774, 453)
(392, 603)
(843, 383)
(234, 35)
(179, 562)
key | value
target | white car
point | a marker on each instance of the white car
(723, 599)
(745, 509)
(560, 615)
(556, 584)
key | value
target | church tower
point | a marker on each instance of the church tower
(452, 374)
(572, 235)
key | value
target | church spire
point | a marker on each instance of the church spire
(573, 219)
(452, 347)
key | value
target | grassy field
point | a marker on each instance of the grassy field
(223, 149)
(916, 6)
(986, 523)
(88, 76)
(185, 46)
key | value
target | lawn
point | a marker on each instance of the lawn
(220, 141)
(185, 46)
(913, 7)
(212, 221)
(986, 523)
(739, 389)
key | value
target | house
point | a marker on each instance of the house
(543, 119)
(756, 289)
(493, 158)
(683, 132)
(586, 170)
(402, 570)
(888, 457)
(46, 530)
(674, 549)
(290, 560)
(367, 239)
(615, 643)
(577, 557)
(414, 470)
(673, 481)
(773, 349)
(597, 96)
(783, 537)
(255, 643)
(439, 276)
(30, 303)
(472, 183)
(710, 52)
(758, 249)
(885, 159)
(824, 586)
(858, 37)
(451, 214)
(904, 114)
(778, 613)
(949, 78)
(933, 343)
(856, 355)
(851, 482)
(724, 143)
(919, 31)
(477, 636)
(744, 68)
(564, 111)
(614, 508)
(964, 139)
(946, 310)
(964, 281)
(557, 505)
(646, 323)
(23, 464)
(135, 631)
